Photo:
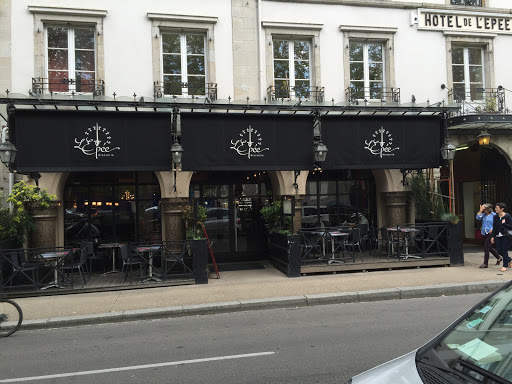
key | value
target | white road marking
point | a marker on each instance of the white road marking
(134, 367)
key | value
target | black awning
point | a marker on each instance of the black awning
(66, 141)
(376, 142)
(229, 142)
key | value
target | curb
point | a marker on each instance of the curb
(268, 303)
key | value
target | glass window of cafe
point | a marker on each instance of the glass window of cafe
(105, 207)
(339, 197)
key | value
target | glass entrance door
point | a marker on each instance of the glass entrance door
(233, 220)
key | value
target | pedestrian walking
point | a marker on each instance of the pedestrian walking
(501, 223)
(486, 216)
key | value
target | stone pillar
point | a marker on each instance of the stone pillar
(297, 219)
(172, 222)
(44, 233)
(396, 208)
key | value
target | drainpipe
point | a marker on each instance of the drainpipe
(261, 52)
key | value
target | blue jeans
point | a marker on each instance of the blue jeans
(502, 246)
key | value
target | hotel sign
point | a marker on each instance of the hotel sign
(455, 21)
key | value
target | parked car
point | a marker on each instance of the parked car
(310, 217)
(217, 222)
(476, 348)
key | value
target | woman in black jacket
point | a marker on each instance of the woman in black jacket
(501, 223)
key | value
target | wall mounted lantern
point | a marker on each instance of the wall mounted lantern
(7, 154)
(484, 138)
(320, 152)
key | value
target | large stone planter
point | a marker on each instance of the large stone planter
(44, 233)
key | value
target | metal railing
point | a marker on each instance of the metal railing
(368, 95)
(315, 94)
(28, 271)
(208, 90)
(43, 86)
(480, 101)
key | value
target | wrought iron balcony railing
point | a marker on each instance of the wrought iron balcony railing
(42, 86)
(296, 93)
(369, 94)
(162, 89)
(481, 101)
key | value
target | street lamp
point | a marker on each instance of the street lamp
(320, 152)
(177, 154)
(7, 154)
(484, 138)
(448, 153)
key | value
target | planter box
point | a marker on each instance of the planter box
(455, 242)
(285, 253)
(199, 251)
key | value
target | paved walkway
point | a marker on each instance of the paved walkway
(243, 290)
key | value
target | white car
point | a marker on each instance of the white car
(477, 348)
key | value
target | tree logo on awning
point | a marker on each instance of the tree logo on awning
(381, 144)
(249, 144)
(96, 142)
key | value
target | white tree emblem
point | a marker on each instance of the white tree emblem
(249, 143)
(381, 144)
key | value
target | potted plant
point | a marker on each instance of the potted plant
(193, 227)
(28, 201)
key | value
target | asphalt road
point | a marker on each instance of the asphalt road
(322, 344)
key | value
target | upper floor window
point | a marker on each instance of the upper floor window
(476, 3)
(184, 64)
(468, 72)
(366, 70)
(71, 59)
(292, 68)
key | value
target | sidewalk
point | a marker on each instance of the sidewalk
(263, 288)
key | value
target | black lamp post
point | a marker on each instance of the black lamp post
(448, 153)
(177, 154)
(7, 154)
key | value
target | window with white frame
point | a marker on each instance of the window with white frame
(71, 59)
(468, 72)
(292, 68)
(476, 3)
(367, 72)
(184, 63)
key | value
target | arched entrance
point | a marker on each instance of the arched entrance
(233, 221)
(482, 175)
(335, 197)
(106, 207)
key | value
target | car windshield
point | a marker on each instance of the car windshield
(480, 345)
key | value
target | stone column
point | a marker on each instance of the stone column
(396, 208)
(44, 233)
(297, 219)
(172, 222)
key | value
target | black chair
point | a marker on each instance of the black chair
(363, 230)
(373, 240)
(353, 241)
(129, 260)
(388, 241)
(93, 257)
(72, 263)
(313, 245)
(21, 268)
(174, 257)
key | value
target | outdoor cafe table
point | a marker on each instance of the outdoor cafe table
(332, 234)
(150, 249)
(111, 247)
(55, 258)
(407, 233)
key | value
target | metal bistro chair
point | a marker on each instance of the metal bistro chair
(313, 245)
(174, 258)
(389, 242)
(129, 260)
(79, 263)
(21, 268)
(353, 241)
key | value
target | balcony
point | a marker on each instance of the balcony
(372, 95)
(208, 90)
(315, 94)
(481, 101)
(44, 86)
